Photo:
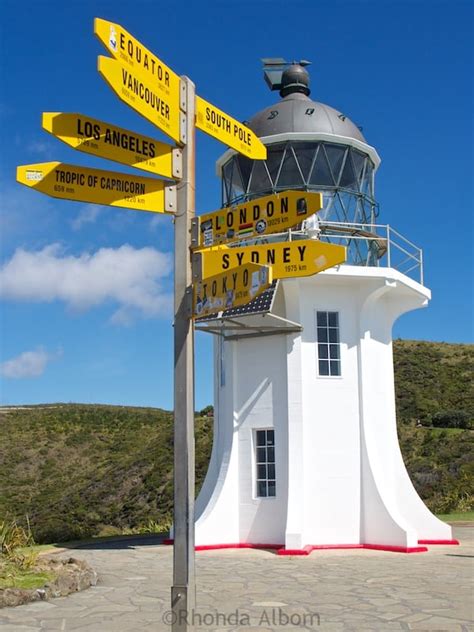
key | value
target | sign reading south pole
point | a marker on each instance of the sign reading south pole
(230, 289)
(262, 216)
(96, 186)
(228, 130)
(146, 78)
(91, 136)
(297, 258)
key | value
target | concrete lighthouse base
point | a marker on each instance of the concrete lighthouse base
(338, 478)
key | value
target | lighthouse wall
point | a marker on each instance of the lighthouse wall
(340, 476)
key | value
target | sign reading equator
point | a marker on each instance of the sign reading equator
(96, 186)
(228, 130)
(230, 289)
(261, 216)
(302, 257)
(104, 140)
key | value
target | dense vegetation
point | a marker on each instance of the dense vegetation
(83, 470)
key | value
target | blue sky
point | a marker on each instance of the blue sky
(73, 329)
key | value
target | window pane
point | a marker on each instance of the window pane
(321, 173)
(322, 334)
(333, 319)
(333, 352)
(335, 367)
(261, 455)
(271, 455)
(261, 472)
(335, 156)
(274, 158)
(260, 437)
(271, 488)
(259, 180)
(323, 367)
(333, 335)
(261, 488)
(270, 437)
(245, 165)
(322, 319)
(305, 156)
(323, 352)
(290, 174)
(271, 472)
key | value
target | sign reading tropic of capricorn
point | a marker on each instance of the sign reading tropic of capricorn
(230, 289)
(262, 216)
(91, 136)
(302, 257)
(82, 184)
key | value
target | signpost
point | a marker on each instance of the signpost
(104, 140)
(303, 257)
(257, 218)
(233, 288)
(96, 186)
(221, 276)
(228, 130)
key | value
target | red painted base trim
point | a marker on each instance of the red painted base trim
(454, 542)
(280, 548)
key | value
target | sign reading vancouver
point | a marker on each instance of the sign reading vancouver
(96, 186)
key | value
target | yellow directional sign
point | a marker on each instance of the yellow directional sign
(141, 94)
(262, 216)
(114, 143)
(70, 182)
(228, 130)
(229, 289)
(134, 56)
(288, 259)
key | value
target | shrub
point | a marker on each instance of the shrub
(452, 419)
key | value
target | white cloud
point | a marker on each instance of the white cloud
(27, 364)
(129, 277)
(41, 147)
(87, 215)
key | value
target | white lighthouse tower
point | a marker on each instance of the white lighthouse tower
(305, 451)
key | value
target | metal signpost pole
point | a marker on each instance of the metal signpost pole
(183, 591)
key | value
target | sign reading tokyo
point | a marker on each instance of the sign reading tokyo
(262, 216)
(132, 54)
(230, 289)
(228, 130)
(81, 184)
(288, 259)
(141, 95)
(114, 143)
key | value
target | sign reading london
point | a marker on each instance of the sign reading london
(230, 289)
(114, 143)
(228, 130)
(96, 186)
(302, 257)
(259, 217)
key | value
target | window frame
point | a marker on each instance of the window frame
(265, 463)
(328, 343)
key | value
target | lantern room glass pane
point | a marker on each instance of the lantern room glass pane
(321, 174)
(290, 175)
(245, 165)
(335, 157)
(274, 158)
(348, 179)
(259, 180)
(237, 187)
(304, 156)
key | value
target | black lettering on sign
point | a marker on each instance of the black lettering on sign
(225, 261)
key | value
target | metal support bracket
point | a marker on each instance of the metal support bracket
(197, 266)
(182, 129)
(177, 163)
(183, 95)
(171, 199)
(195, 232)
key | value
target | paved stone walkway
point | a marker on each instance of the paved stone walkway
(258, 591)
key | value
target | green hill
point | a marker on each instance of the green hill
(81, 470)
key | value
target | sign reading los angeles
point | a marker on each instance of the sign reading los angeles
(262, 216)
(228, 130)
(288, 259)
(114, 143)
(139, 78)
(230, 289)
(96, 186)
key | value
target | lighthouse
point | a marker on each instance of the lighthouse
(305, 452)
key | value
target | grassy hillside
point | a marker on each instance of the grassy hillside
(79, 470)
